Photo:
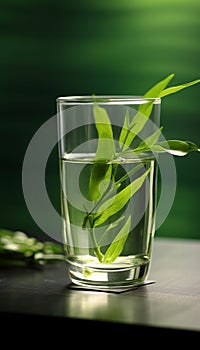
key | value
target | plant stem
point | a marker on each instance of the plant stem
(97, 250)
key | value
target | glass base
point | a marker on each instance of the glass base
(90, 273)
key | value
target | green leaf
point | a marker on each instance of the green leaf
(101, 172)
(124, 131)
(116, 203)
(136, 126)
(116, 247)
(156, 90)
(149, 141)
(106, 144)
(175, 147)
(129, 174)
(110, 228)
(102, 182)
(144, 111)
(173, 89)
(99, 180)
(18, 249)
(115, 185)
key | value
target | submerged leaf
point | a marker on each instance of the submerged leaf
(99, 180)
(116, 247)
(116, 203)
(110, 228)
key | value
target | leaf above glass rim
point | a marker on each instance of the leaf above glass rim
(159, 90)
(106, 145)
(173, 89)
(131, 129)
(175, 147)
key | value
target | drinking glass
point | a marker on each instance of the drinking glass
(108, 187)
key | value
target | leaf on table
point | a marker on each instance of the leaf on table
(17, 248)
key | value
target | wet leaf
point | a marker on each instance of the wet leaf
(116, 203)
(175, 147)
(116, 247)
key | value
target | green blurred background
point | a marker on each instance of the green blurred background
(56, 48)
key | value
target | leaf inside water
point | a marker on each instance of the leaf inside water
(116, 203)
(116, 247)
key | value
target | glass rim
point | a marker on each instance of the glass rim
(107, 99)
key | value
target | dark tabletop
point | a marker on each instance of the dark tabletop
(169, 305)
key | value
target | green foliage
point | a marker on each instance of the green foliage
(17, 249)
(104, 189)
(115, 249)
(116, 203)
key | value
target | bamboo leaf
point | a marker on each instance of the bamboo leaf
(99, 180)
(144, 111)
(175, 147)
(101, 172)
(129, 174)
(137, 125)
(173, 89)
(156, 90)
(116, 247)
(18, 249)
(149, 141)
(118, 183)
(124, 131)
(110, 228)
(106, 144)
(116, 203)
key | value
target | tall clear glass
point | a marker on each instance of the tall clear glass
(108, 187)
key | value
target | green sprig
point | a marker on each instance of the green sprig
(18, 249)
(102, 180)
